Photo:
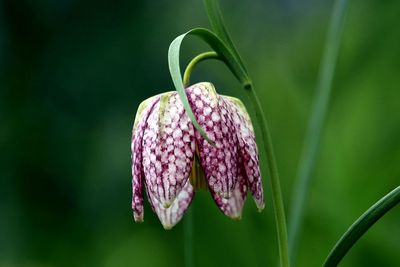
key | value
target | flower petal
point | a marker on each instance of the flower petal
(233, 206)
(170, 216)
(219, 162)
(139, 126)
(248, 149)
(168, 149)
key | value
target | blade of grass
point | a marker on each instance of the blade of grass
(361, 226)
(217, 25)
(315, 125)
(223, 52)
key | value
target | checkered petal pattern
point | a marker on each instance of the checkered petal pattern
(165, 143)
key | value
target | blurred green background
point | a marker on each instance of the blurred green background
(72, 74)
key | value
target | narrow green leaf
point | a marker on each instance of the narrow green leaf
(309, 156)
(359, 227)
(217, 24)
(220, 48)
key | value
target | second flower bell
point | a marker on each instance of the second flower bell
(172, 160)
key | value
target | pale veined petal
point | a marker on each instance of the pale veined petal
(219, 162)
(170, 216)
(248, 149)
(233, 206)
(139, 126)
(168, 149)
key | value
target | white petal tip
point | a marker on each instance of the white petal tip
(168, 226)
(260, 207)
(138, 220)
(236, 217)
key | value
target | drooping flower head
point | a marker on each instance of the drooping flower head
(171, 160)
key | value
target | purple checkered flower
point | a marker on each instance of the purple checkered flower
(172, 160)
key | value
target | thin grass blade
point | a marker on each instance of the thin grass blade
(361, 226)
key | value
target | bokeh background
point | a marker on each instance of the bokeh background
(72, 74)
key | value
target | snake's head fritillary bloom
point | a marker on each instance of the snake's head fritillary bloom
(172, 161)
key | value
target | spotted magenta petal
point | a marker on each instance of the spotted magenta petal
(165, 146)
(248, 149)
(173, 214)
(168, 149)
(140, 125)
(233, 206)
(219, 162)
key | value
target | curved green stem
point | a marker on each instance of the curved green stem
(357, 229)
(217, 24)
(174, 68)
(199, 58)
(221, 42)
(277, 199)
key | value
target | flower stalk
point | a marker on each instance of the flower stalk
(221, 43)
(199, 58)
(277, 199)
